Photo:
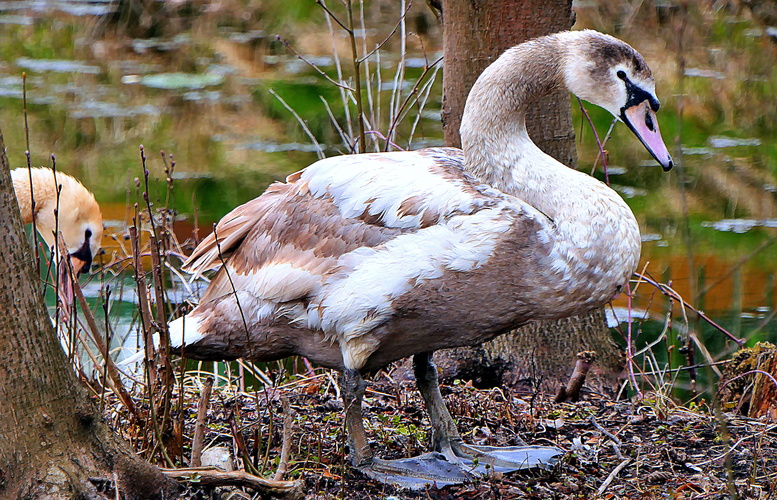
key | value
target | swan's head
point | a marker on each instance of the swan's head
(81, 225)
(609, 73)
(73, 212)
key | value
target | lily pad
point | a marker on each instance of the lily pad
(174, 81)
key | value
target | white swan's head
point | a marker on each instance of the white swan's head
(609, 73)
(72, 211)
(81, 225)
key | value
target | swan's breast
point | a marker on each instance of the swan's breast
(595, 249)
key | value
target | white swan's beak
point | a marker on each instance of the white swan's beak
(641, 119)
(80, 266)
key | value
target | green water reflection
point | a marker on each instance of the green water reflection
(202, 93)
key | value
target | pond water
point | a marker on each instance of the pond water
(218, 91)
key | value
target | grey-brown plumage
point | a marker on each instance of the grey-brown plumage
(361, 260)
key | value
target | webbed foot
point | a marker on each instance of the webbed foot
(486, 460)
(416, 473)
(462, 463)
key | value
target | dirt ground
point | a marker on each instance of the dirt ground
(614, 449)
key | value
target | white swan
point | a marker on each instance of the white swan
(73, 212)
(361, 260)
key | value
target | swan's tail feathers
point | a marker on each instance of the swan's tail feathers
(133, 358)
(232, 229)
(184, 331)
(139, 355)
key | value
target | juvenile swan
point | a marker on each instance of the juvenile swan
(361, 260)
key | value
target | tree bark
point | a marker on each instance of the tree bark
(475, 33)
(52, 437)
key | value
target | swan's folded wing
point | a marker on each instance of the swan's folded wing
(280, 246)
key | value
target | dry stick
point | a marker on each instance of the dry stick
(606, 139)
(685, 368)
(598, 142)
(158, 281)
(572, 390)
(612, 475)
(116, 486)
(411, 97)
(357, 91)
(630, 344)
(143, 301)
(305, 128)
(356, 78)
(629, 340)
(751, 372)
(114, 379)
(29, 171)
(400, 24)
(59, 242)
(343, 137)
(210, 476)
(156, 265)
(399, 76)
(388, 37)
(371, 95)
(169, 172)
(107, 342)
(199, 426)
(615, 441)
(421, 103)
(146, 325)
(313, 65)
(344, 96)
(286, 446)
(237, 436)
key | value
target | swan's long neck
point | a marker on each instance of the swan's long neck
(597, 236)
(496, 144)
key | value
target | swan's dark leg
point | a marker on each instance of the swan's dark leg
(444, 431)
(416, 473)
(473, 459)
(352, 387)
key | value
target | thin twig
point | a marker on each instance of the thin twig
(114, 379)
(401, 107)
(388, 37)
(356, 79)
(319, 149)
(315, 66)
(615, 441)
(669, 292)
(598, 142)
(612, 475)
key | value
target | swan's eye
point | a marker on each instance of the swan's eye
(88, 233)
(621, 74)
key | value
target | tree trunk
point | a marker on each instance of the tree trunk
(53, 441)
(543, 354)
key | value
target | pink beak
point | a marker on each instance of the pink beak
(641, 119)
(66, 291)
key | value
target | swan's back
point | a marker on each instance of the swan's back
(335, 247)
